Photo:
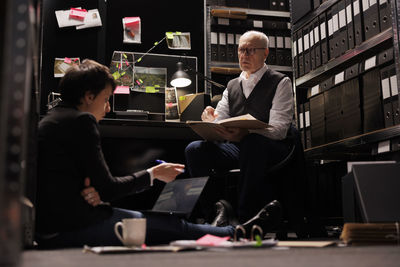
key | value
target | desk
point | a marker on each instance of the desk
(145, 129)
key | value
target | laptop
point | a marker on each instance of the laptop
(179, 197)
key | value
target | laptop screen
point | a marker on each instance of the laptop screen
(180, 196)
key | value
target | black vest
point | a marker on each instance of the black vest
(259, 102)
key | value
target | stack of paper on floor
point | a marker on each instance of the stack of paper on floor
(371, 233)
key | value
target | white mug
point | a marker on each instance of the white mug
(133, 231)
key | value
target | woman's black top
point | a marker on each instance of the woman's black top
(69, 150)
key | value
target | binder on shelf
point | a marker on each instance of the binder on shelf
(351, 72)
(288, 51)
(351, 109)
(273, 5)
(295, 56)
(271, 59)
(371, 99)
(323, 39)
(333, 107)
(221, 46)
(280, 50)
(256, 4)
(237, 38)
(370, 18)
(307, 124)
(331, 39)
(387, 97)
(230, 48)
(300, 52)
(312, 46)
(342, 36)
(327, 84)
(306, 47)
(385, 16)
(317, 120)
(282, 5)
(350, 24)
(317, 43)
(394, 89)
(358, 29)
(385, 56)
(214, 46)
(300, 124)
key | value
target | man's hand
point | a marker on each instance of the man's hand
(209, 114)
(167, 172)
(90, 194)
(232, 134)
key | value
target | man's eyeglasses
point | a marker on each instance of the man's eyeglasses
(249, 51)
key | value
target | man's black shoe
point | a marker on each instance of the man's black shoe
(224, 214)
(268, 219)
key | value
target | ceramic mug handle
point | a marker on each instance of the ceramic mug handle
(116, 230)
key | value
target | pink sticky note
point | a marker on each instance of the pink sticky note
(76, 13)
(211, 240)
(121, 90)
(67, 60)
(131, 21)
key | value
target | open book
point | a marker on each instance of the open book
(208, 132)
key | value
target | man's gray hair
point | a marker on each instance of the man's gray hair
(258, 35)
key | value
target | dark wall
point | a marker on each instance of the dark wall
(157, 17)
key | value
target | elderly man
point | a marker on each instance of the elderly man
(267, 96)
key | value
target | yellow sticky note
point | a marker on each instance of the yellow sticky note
(116, 75)
(156, 85)
(169, 35)
(122, 74)
(140, 59)
(181, 98)
(150, 89)
(125, 56)
(178, 33)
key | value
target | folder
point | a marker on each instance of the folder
(312, 46)
(385, 17)
(282, 5)
(350, 24)
(327, 84)
(300, 52)
(385, 56)
(335, 50)
(271, 59)
(394, 89)
(230, 48)
(333, 107)
(342, 35)
(317, 120)
(237, 38)
(214, 46)
(280, 50)
(317, 44)
(351, 108)
(287, 51)
(323, 39)
(221, 46)
(387, 97)
(273, 5)
(358, 30)
(307, 124)
(371, 99)
(351, 72)
(306, 46)
(370, 18)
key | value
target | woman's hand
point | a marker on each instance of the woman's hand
(167, 172)
(90, 194)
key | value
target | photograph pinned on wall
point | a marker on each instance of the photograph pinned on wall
(121, 68)
(91, 20)
(178, 40)
(149, 80)
(71, 17)
(61, 65)
(132, 29)
(171, 104)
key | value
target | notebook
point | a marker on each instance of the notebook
(179, 197)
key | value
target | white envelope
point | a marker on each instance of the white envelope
(63, 19)
(92, 19)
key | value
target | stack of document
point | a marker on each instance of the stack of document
(371, 233)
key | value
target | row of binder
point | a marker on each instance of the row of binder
(278, 5)
(361, 102)
(242, 25)
(345, 25)
(224, 48)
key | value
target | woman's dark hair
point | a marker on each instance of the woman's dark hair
(90, 76)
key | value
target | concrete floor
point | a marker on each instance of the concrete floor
(364, 256)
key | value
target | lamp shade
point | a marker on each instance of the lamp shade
(180, 77)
